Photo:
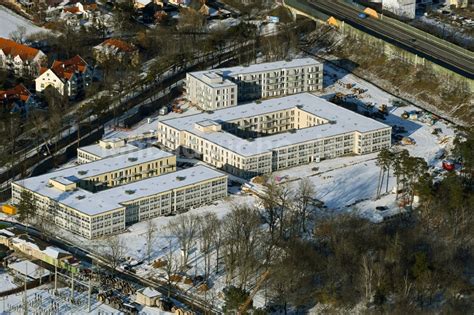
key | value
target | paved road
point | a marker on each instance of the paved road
(450, 56)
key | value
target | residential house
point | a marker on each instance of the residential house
(68, 77)
(116, 49)
(20, 59)
(225, 87)
(80, 14)
(16, 100)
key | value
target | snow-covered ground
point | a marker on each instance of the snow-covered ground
(10, 21)
(6, 281)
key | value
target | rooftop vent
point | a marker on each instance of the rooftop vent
(332, 122)
(82, 172)
(80, 197)
(129, 191)
(180, 178)
(299, 106)
(132, 159)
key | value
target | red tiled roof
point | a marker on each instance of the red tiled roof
(90, 7)
(119, 44)
(19, 92)
(12, 48)
(66, 69)
(72, 10)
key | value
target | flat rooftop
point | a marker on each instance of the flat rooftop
(209, 77)
(113, 198)
(76, 173)
(269, 66)
(225, 73)
(101, 152)
(255, 68)
(344, 121)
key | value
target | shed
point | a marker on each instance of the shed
(148, 296)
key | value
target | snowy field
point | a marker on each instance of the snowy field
(10, 21)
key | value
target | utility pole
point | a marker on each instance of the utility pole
(25, 300)
(89, 296)
(72, 287)
(55, 278)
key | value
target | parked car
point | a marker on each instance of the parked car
(163, 111)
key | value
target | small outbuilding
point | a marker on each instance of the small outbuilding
(148, 296)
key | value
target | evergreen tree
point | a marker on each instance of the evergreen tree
(26, 207)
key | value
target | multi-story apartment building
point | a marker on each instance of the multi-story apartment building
(259, 138)
(216, 89)
(69, 77)
(118, 50)
(20, 59)
(110, 172)
(210, 90)
(104, 149)
(110, 211)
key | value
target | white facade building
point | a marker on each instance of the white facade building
(259, 138)
(63, 198)
(106, 148)
(220, 88)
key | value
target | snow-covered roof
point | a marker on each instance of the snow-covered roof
(150, 292)
(111, 199)
(76, 173)
(342, 121)
(101, 152)
(55, 252)
(29, 269)
(6, 233)
(257, 68)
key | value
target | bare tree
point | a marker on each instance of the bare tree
(242, 240)
(185, 229)
(303, 201)
(208, 225)
(171, 268)
(218, 241)
(19, 34)
(114, 250)
(150, 235)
